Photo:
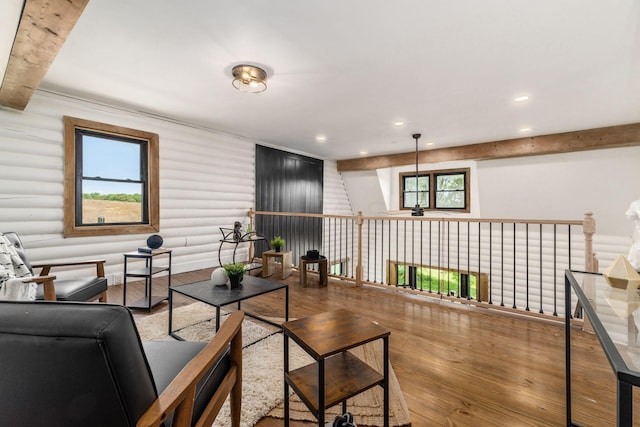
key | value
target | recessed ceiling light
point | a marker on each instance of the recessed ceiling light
(521, 98)
(525, 130)
(398, 123)
(321, 138)
(363, 153)
(429, 143)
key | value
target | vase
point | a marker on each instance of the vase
(234, 282)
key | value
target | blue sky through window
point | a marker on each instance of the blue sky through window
(107, 158)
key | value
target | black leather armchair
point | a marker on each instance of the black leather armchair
(79, 364)
(50, 288)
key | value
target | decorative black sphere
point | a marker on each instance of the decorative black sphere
(154, 241)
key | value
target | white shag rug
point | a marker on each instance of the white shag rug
(262, 358)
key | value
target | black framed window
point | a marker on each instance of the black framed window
(415, 191)
(436, 190)
(451, 190)
(111, 179)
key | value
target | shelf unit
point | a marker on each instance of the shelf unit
(250, 237)
(147, 273)
(336, 375)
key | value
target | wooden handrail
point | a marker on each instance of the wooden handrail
(361, 237)
(425, 218)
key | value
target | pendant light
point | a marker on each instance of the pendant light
(417, 210)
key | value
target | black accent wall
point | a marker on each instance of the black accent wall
(288, 182)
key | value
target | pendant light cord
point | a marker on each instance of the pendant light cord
(417, 210)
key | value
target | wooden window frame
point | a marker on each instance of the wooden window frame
(433, 189)
(152, 225)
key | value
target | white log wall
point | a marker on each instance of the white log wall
(206, 182)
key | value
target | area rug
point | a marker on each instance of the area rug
(262, 382)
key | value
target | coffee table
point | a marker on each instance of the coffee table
(219, 296)
(336, 375)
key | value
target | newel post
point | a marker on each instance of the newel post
(252, 217)
(589, 229)
(359, 221)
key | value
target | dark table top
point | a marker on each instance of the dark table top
(218, 296)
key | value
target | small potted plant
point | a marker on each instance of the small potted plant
(235, 273)
(277, 243)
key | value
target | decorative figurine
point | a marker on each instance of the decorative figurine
(237, 233)
(633, 213)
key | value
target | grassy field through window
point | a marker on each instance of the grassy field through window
(434, 280)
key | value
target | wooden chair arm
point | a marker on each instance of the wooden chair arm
(46, 267)
(179, 394)
(47, 283)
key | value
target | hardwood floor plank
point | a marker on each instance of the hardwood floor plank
(457, 365)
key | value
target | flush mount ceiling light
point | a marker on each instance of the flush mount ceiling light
(249, 78)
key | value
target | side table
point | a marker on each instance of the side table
(322, 269)
(336, 375)
(149, 300)
(268, 263)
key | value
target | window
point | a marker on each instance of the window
(111, 180)
(452, 282)
(415, 193)
(450, 190)
(339, 267)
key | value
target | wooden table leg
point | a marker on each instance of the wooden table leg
(303, 273)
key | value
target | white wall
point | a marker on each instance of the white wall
(562, 187)
(206, 182)
(365, 194)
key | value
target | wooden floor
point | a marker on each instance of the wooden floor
(457, 365)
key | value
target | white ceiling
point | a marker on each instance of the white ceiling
(348, 69)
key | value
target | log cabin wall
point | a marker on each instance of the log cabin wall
(206, 182)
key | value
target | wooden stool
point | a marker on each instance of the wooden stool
(322, 267)
(268, 263)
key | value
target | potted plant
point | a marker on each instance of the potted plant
(277, 243)
(235, 273)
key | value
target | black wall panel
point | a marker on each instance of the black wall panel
(288, 182)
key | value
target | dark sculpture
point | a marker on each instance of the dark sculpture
(237, 233)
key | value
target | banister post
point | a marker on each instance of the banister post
(359, 221)
(589, 229)
(252, 216)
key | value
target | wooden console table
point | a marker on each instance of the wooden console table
(336, 375)
(268, 263)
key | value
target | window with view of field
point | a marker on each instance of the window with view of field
(435, 190)
(115, 179)
(112, 192)
(462, 284)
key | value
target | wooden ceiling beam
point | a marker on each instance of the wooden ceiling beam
(44, 27)
(582, 140)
